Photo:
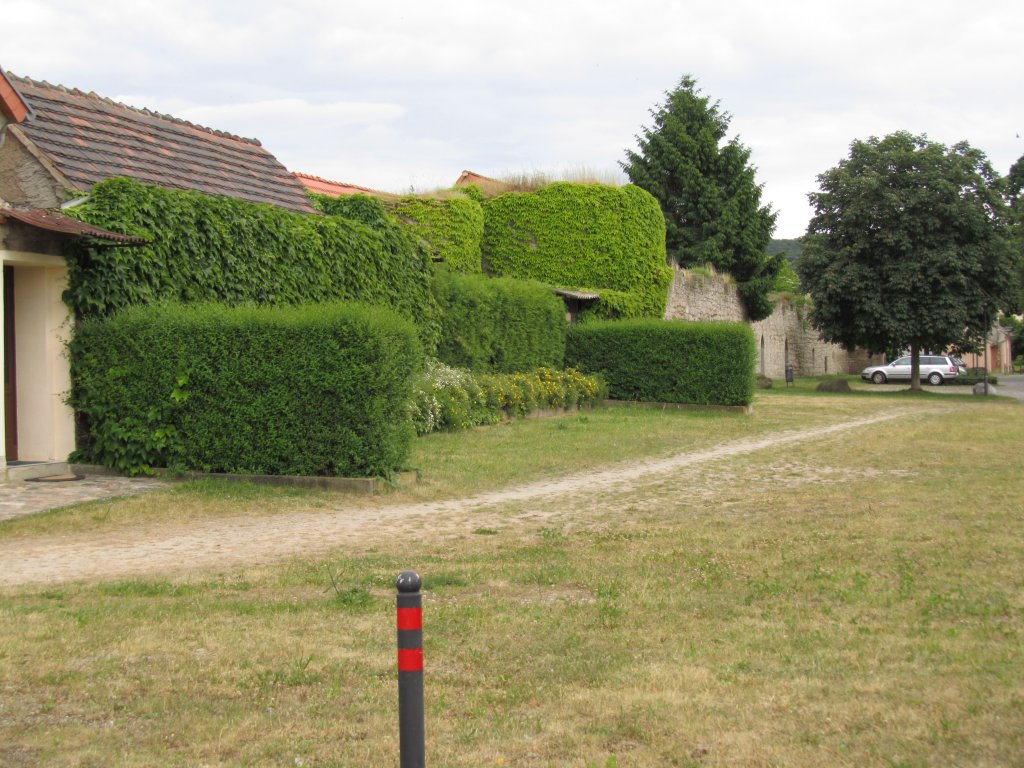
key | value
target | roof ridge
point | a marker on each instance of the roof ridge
(137, 110)
(312, 177)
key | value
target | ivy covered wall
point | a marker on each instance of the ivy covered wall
(220, 249)
(452, 228)
(583, 236)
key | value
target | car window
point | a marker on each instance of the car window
(902, 361)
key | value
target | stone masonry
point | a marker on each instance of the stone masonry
(784, 336)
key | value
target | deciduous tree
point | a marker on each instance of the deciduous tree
(707, 191)
(907, 247)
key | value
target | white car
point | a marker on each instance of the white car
(935, 369)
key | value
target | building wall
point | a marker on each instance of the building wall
(783, 337)
(24, 182)
(999, 346)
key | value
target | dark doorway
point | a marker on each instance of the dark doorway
(10, 372)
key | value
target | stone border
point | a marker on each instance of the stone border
(366, 486)
(746, 409)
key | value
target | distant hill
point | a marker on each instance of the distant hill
(791, 248)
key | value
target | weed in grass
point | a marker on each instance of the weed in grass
(143, 588)
(485, 532)
(434, 581)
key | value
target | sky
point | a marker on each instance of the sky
(403, 96)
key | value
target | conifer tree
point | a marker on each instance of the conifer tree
(707, 191)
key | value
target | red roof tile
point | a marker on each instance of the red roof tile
(89, 139)
(336, 188)
(58, 222)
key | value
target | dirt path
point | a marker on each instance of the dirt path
(185, 550)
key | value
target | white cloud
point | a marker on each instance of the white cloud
(411, 93)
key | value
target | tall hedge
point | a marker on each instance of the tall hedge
(311, 390)
(583, 236)
(220, 249)
(499, 325)
(669, 361)
(452, 228)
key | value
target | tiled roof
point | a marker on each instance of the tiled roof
(12, 105)
(58, 222)
(89, 138)
(486, 184)
(336, 188)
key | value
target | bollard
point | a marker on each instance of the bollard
(411, 740)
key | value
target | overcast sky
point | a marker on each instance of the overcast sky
(399, 94)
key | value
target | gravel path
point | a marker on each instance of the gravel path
(182, 550)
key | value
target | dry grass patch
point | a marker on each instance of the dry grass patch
(855, 600)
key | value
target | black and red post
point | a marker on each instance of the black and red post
(410, 671)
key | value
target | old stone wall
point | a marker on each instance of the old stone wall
(24, 182)
(784, 336)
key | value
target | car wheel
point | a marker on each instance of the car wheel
(878, 377)
(935, 379)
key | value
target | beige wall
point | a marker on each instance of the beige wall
(42, 326)
(783, 337)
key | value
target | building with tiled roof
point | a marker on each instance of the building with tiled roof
(55, 144)
(485, 184)
(66, 140)
(336, 188)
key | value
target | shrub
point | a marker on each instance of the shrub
(583, 236)
(498, 325)
(975, 375)
(220, 249)
(452, 228)
(448, 399)
(667, 360)
(311, 390)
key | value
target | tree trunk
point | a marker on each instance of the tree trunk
(915, 366)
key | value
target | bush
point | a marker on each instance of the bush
(975, 375)
(220, 249)
(667, 361)
(447, 399)
(312, 390)
(583, 236)
(498, 325)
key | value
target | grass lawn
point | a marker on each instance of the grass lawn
(857, 599)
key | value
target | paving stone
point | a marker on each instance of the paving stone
(29, 497)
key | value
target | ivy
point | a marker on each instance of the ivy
(369, 210)
(221, 249)
(584, 237)
(452, 228)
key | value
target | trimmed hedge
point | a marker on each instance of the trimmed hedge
(452, 228)
(583, 236)
(221, 249)
(499, 325)
(667, 361)
(311, 390)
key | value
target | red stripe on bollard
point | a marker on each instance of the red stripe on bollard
(410, 659)
(410, 618)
